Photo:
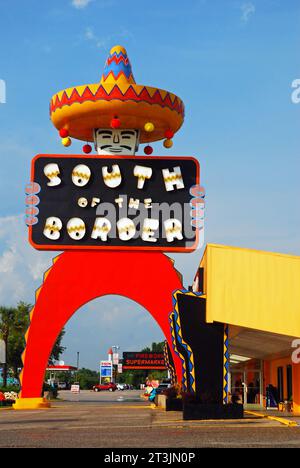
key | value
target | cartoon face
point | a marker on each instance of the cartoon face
(116, 142)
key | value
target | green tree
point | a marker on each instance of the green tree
(13, 325)
(87, 378)
(155, 348)
(58, 349)
(16, 341)
(7, 323)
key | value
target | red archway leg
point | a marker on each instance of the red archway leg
(78, 277)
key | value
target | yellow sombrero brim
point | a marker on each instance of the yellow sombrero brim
(82, 109)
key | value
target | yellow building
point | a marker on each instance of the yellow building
(258, 295)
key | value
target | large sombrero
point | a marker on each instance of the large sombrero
(117, 101)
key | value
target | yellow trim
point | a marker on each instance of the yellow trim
(225, 363)
(31, 404)
(258, 415)
(173, 334)
(286, 422)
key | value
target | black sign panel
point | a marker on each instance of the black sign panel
(93, 202)
(133, 360)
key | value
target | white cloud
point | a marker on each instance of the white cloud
(81, 4)
(7, 262)
(108, 41)
(248, 10)
(101, 43)
(21, 267)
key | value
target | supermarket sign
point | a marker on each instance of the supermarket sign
(137, 361)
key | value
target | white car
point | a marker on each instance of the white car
(121, 386)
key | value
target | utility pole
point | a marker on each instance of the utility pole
(77, 364)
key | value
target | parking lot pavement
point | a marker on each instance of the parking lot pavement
(123, 420)
(126, 396)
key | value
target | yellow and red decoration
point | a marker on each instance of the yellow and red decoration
(117, 102)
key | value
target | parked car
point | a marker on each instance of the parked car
(162, 386)
(62, 386)
(109, 386)
(121, 386)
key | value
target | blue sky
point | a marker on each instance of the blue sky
(231, 61)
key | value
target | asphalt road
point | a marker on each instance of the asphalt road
(123, 420)
(126, 396)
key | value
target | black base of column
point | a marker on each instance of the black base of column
(174, 405)
(194, 411)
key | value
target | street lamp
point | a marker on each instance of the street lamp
(115, 349)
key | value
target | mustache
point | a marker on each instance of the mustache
(120, 146)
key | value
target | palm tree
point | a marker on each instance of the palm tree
(7, 324)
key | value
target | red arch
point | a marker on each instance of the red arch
(78, 277)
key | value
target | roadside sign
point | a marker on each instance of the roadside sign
(120, 369)
(2, 352)
(106, 369)
(75, 389)
(137, 360)
(153, 186)
(115, 359)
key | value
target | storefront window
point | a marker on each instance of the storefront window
(246, 382)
